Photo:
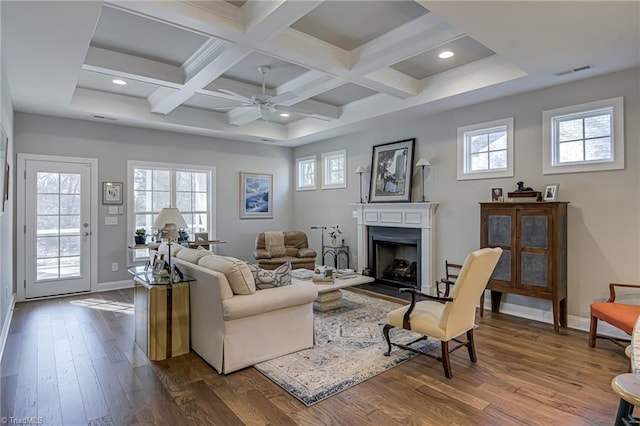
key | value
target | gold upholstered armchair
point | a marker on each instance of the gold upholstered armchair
(446, 318)
(276, 248)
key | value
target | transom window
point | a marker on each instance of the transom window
(583, 137)
(485, 150)
(153, 186)
(334, 169)
(306, 173)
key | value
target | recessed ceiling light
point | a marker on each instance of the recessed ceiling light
(285, 114)
(119, 82)
(446, 54)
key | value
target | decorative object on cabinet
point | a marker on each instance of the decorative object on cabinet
(256, 198)
(359, 171)
(112, 192)
(422, 163)
(496, 194)
(551, 192)
(391, 172)
(524, 196)
(534, 261)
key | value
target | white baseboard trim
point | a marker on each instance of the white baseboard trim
(6, 324)
(543, 315)
(114, 285)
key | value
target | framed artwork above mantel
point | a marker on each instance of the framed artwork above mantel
(391, 172)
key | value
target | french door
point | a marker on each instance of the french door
(57, 214)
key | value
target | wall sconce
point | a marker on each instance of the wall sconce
(422, 163)
(359, 171)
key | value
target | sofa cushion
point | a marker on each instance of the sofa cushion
(265, 278)
(237, 272)
(191, 255)
(175, 248)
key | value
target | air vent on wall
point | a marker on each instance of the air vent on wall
(586, 67)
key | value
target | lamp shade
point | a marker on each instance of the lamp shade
(169, 215)
(360, 170)
(423, 162)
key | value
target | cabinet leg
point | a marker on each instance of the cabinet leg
(556, 316)
(563, 313)
(496, 296)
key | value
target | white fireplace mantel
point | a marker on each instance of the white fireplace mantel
(398, 215)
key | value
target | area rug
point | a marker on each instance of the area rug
(349, 349)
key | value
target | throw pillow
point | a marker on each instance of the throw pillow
(237, 272)
(265, 278)
(191, 255)
(175, 248)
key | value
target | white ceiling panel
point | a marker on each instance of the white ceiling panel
(465, 49)
(345, 94)
(349, 24)
(104, 82)
(128, 33)
(280, 71)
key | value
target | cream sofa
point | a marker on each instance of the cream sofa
(232, 331)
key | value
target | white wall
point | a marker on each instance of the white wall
(604, 219)
(113, 145)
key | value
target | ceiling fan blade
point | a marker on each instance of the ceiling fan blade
(235, 96)
(300, 111)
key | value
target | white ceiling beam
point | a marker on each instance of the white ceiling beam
(310, 84)
(133, 67)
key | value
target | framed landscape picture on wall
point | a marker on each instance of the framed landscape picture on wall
(256, 198)
(391, 172)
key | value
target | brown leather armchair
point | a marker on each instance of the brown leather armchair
(276, 248)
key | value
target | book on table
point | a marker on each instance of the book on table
(302, 274)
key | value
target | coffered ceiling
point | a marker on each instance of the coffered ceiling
(336, 66)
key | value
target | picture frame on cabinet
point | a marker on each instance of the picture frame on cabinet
(497, 195)
(551, 192)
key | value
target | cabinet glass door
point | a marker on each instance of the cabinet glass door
(534, 246)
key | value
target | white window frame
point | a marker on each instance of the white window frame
(549, 143)
(299, 162)
(464, 172)
(142, 255)
(326, 157)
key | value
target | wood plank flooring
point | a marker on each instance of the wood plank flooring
(73, 361)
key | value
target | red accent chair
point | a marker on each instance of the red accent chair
(619, 315)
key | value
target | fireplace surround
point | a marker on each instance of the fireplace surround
(399, 224)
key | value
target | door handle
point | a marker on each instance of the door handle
(86, 234)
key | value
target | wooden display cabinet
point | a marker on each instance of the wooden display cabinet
(533, 237)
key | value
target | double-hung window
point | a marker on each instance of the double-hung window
(306, 173)
(485, 150)
(153, 186)
(334, 166)
(586, 137)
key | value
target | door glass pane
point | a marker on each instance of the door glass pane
(502, 270)
(57, 225)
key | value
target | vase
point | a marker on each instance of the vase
(334, 242)
(140, 240)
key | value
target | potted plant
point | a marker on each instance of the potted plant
(334, 234)
(141, 236)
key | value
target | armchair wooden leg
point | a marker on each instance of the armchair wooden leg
(385, 332)
(482, 305)
(471, 346)
(446, 362)
(593, 330)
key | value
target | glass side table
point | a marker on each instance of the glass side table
(161, 314)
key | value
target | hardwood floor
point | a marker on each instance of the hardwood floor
(73, 361)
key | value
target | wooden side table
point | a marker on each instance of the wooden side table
(161, 314)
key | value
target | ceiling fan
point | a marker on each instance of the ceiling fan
(268, 105)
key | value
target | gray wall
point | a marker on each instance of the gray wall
(604, 220)
(113, 145)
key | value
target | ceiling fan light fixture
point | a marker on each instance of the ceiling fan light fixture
(119, 82)
(446, 54)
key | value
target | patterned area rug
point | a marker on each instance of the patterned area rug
(349, 350)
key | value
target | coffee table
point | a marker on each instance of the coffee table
(329, 294)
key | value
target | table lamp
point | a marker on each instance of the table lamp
(359, 171)
(422, 163)
(168, 222)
